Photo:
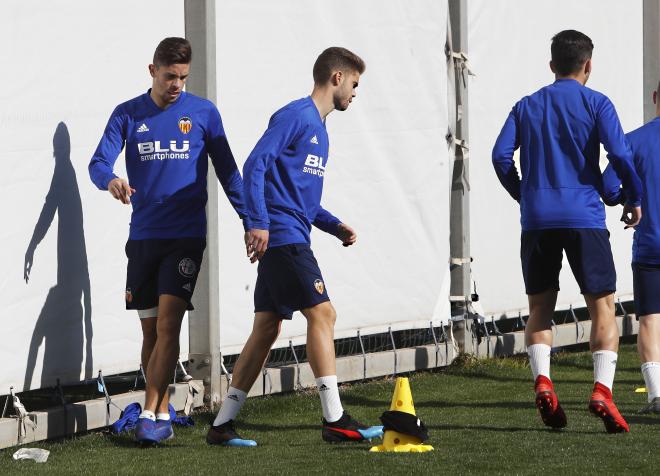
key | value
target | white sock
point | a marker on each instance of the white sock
(604, 367)
(231, 405)
(330, 402)
(148, 414)
(651, 373)
(539, 359)
(163, 416)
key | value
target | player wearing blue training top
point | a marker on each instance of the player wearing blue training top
(645, 145)
(283, 179)
(167, 135)
(559, 130)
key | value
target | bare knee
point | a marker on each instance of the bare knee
(171, 310)
(148, 341)
(648, 322)
(149, 332)
(271, 332)
(331, 316)
(266, 327)
(601, 306)
(323, 314)
(168, 331)
(648, 329)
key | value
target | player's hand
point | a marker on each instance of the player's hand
(256, 243)
(631, 216)
(121, 190)
(346, 234)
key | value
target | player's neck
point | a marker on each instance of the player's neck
(580, 77)
(323, 101)
(159, 101)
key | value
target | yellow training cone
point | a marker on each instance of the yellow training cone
(393, 441)
(402, 400)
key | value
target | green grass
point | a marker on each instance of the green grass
(480, 414)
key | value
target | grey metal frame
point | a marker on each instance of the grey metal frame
(459, 221)
(651, 35)
(204, 322)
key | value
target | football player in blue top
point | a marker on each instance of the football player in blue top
(283, 179)
(559, 130)
(167, 135)
(645, 145)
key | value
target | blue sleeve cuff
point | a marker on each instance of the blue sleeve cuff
(255, 224)
(106, 181)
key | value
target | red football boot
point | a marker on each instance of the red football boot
(602, 406)
(547, 403)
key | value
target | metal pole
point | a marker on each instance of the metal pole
(204, 324)
(651, 53)
(459, 222)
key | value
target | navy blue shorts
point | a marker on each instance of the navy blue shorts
(156, 267)
(589, 255)
(646, 286)
(288, 280)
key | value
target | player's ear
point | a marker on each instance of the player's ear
(587, 67)
(552, 67)
(336, 78)
(152, 70)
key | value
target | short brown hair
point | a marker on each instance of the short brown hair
(333, 59)
(171, 51)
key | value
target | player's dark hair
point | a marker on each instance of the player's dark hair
(335, 59)
(171, 51)
(570, 49)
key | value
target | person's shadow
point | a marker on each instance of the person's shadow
(68, 306)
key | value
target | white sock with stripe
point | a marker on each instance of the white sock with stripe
(605, 367)
(148, 414)
(539, 359)
(651, 373)
(231, 405)
(330, 402)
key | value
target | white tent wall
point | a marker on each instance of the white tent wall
(388, 173)
(509, 49)
(68, 62)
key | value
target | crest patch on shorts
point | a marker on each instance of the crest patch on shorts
(320, 287)
(187, 268)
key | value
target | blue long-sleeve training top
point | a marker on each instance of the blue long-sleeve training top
(166, 162)
(559, 130)
(283, 176)
(645, 145)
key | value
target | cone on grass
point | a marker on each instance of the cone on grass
(394, 441)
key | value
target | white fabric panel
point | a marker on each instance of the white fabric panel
(68, 62)
(509, 49)
(388, 175)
